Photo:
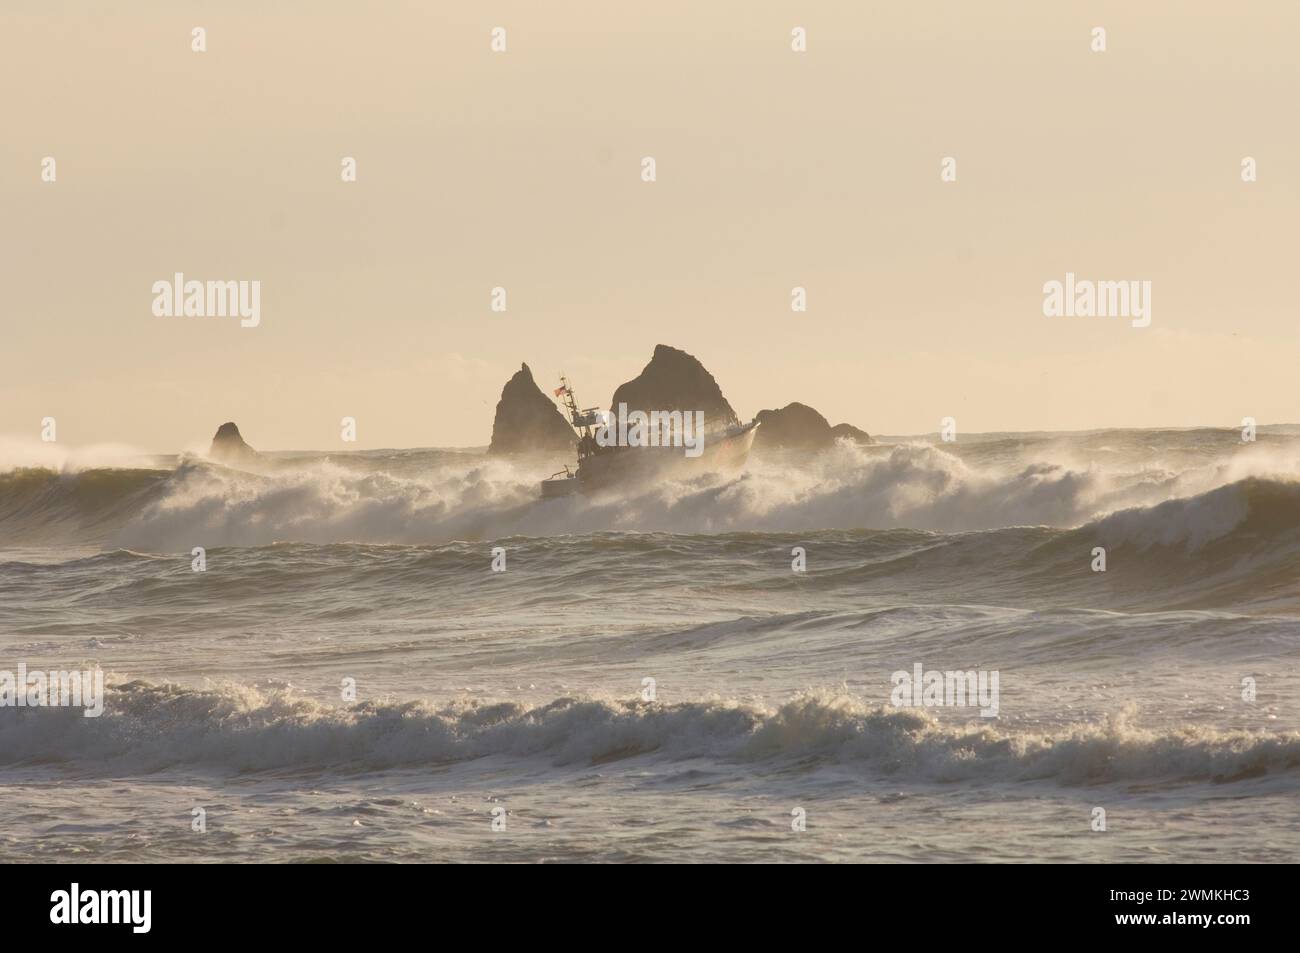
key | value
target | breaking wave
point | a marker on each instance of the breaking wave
(422, 497)
(233, 728)
(911, 518)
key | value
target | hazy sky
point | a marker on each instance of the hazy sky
(522, 169)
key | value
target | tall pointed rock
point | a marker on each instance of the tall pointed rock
(527, 421)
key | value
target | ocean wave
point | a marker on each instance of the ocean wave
(1232, 546)
(1235, 545)
(429, 497)
(48, 506)
(237, 728)
(1254, 505)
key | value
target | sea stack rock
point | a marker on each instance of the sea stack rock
(229, 447)
(675, 380)
(800, 427)
(851, 433)
(528, 421)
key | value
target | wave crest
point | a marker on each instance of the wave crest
(238, 728)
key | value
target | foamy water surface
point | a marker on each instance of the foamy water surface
(523, 690)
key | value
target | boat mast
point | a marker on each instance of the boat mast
(570, 404)
(581, 420)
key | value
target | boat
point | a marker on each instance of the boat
(607, 467)
(561, 483)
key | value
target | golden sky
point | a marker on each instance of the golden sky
(522, 169)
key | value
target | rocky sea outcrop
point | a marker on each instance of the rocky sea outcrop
(527, 421)
(675, 380)
(798, 426)
(850, 432)
(228, 446)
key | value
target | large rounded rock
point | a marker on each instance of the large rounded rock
(799, 427)
(675, 380)
(228, 446)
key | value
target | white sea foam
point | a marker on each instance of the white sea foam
(918, 486)
(237, 728)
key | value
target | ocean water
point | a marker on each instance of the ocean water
(521, 697)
